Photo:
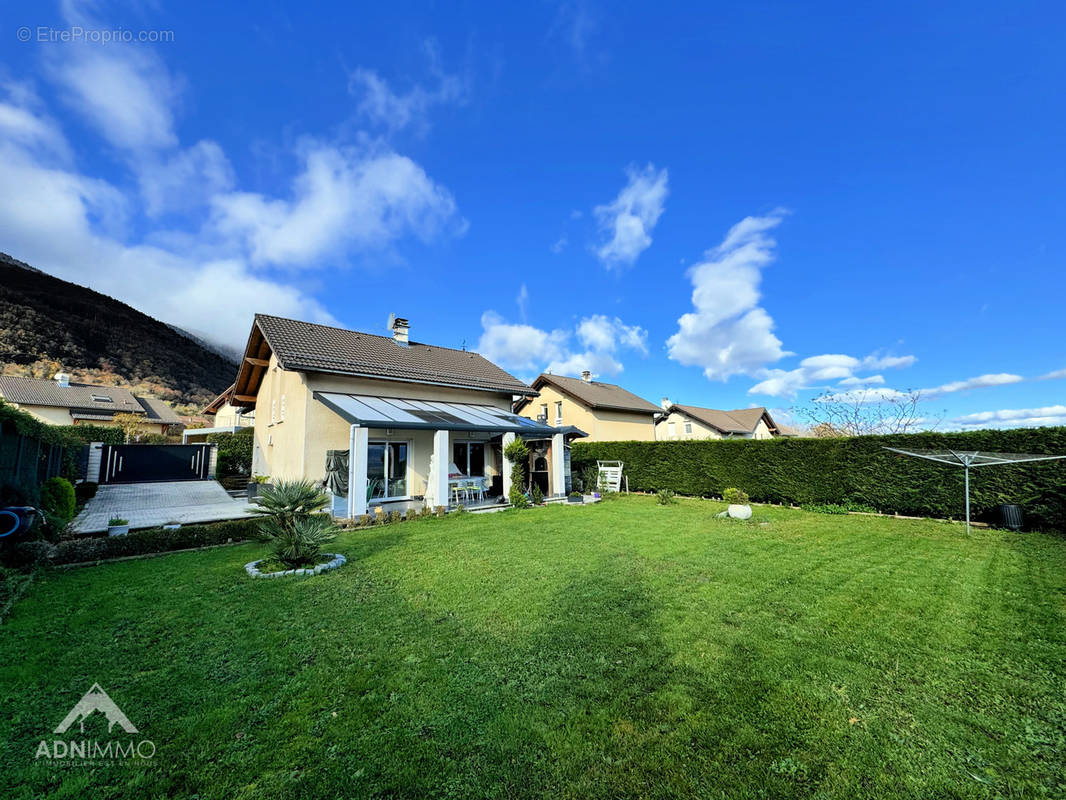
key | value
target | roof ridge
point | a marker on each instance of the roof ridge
(259, 315)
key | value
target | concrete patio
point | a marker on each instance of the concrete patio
(149, 505)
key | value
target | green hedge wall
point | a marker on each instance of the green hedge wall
(153, 540)
(234, 452)
(855, 469)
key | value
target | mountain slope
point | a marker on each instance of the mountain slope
(47, 323)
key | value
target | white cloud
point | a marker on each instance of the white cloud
(599, 332)
(629, 219)
(559, 245)
(526, 348)
(868, 380)
(728, 333)
(815, 371)
(345, 197)
(980, 382)
(521, 347)
(1013, 418)
(383, 106)
(124, 92)
(77, 226)
(887, 362)
(1050, 376)
(522, 300)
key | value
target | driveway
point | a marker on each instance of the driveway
(149, 505)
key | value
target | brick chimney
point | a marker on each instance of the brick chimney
(62, 378)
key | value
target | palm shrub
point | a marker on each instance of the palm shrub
(518, 454)
(292, 523)
(665, 497)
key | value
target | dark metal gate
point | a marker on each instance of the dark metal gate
(143, 463)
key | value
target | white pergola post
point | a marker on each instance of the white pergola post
(559, 464)
(442, 459)
(358, 446)
(507, 439)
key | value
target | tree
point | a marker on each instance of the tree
(864, 412)
(132, 425)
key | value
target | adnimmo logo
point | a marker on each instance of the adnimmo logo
(94, 751)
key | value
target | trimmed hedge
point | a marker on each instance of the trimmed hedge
(234, 452)
(152, 540)
(854, 470)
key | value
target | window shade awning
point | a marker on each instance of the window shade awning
(403, 414)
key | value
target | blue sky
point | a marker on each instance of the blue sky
(726, 204)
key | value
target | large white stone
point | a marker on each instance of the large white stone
(739, 512)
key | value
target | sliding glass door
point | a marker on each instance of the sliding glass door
(386, 470)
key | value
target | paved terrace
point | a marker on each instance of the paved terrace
(149, 505)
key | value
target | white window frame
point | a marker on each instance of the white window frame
(407, 478)
(281, 415)
(273, 411)
(671, 429)
(688, 426)
(558, 412)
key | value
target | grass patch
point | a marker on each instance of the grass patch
(618, 650)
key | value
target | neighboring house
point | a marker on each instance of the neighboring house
(399, 422)
(60, 402)
(692, 422)
(607, 412)
(227, 418)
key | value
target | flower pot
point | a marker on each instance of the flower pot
(253, 490)
(118, 530)
(595, 495)
(739, 512)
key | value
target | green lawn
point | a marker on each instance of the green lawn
(621, 650)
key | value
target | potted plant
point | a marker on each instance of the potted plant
(738, 503)
(116, 526)
(172, 525)
(575, 497)
(254, 485)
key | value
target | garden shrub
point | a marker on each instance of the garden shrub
(736, 497)
(58, 501)
(518, 454)
(84, 492)
(665, 497)
(854, 469)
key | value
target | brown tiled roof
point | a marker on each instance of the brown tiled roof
(87, 400)
(158, 411)
(738, 420)
(306, 347)
(596, 394)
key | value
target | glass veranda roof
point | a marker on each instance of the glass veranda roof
(404, 414)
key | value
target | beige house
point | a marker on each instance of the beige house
(227, 418)
(605, 411)
(399, 422)
(60, 402)
(679, 423)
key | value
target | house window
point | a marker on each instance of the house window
(544, 411)
(102, 398)
(273, 411)
(671, 428)
(386, 470)
(283, 408)
(688, 427)
(469, 457)
(558, 412)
